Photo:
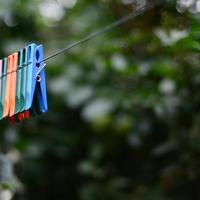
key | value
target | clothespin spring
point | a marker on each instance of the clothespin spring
(38, 72)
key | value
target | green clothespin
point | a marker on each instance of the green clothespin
(23, 65)
(18, 85)
(1, 63)
(3, 85)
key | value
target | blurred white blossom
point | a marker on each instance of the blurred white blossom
(60, 85)
(5, 195)
(119, 62)
(167, 87)
(51, 10)
(78, 96)
(192, 5)
(171, 37)
(97, 109)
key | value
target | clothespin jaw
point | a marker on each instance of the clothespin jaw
(3, 85)
(36, 86)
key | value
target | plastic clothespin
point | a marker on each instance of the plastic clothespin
(36, 96)
(13, 84)
(3, 86)
(1, 68)
(23, 65)
(18, 84)
(0, 74)
(7, 87)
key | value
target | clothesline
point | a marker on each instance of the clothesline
(138, 11)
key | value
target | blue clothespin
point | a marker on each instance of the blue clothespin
(36, 86)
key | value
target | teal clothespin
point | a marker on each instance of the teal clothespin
(24, 65)
(3, 85)
(18, 85)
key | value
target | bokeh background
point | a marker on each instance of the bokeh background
(124, 109)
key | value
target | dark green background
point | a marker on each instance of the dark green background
(123, 120)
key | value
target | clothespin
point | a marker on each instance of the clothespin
(1, 63)
(3, 86)
(23, 65)
(1, 68)
(18, 84)
(13, 87)
(36, 96)
(7, 87)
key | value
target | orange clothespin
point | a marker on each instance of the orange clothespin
(7, 90)
(13, 86)
(10, 92)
